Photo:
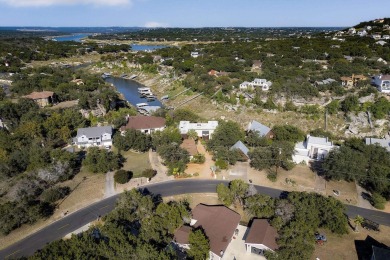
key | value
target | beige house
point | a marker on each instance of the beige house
(43, 98)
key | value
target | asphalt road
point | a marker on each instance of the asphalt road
(75, 220)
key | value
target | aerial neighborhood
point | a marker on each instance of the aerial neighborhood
(217, 143)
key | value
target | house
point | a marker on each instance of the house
(2, 124)
(213, 73)
(242, 148)
(256, 65)
(261, 237)
(190, 146)
(262, 130)
(348, 58)
(219, 224)
(203, 130)
(352, 30)
(194, 54)
(78, 82)
(324, 82)
(379, 253)
(382, 82)
(362, 33)
(386, 37)
(145, 124)
(381, 43)
(245, 85)
(376, 36)
(313, 148)
(352, 81)
(181, 236)
(43, 98)
(94, 136)
(385, 143)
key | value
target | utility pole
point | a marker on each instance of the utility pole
(326, 119)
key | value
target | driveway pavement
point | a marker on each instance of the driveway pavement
(156, 163)
(110, 185)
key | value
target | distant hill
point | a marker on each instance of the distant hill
(378, 23)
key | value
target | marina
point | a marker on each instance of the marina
(136, 94)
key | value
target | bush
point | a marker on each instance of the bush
(149, 173)
(122, 176)
(221, 164)
(55, 194)
(378, 201)
(198, 158)
(272, 175)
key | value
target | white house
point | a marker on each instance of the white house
(386, 37)
(382, 82)
(352, 30)
(376, 36)
(381, 42)
(313, 148)
(194, 54)
(362, 33)
(94, 136)
(261, 237)
(263, 83)
(385, 143)
(204, 130)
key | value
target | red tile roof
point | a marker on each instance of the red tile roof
(219, 224)
(261, 232)
(144, 122)
(40, 95)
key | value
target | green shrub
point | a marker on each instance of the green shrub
(149, 173)
(221, 164)
(272, 175)
(198, 158)
(122, 176)
(55, 194)
(378, 201)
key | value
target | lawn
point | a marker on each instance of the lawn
(136, 162)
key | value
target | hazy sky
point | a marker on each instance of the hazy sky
(190, 13)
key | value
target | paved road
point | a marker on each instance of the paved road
(66, 225)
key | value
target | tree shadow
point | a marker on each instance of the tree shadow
(364, 247)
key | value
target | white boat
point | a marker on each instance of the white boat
(139, 105)
(143, 90)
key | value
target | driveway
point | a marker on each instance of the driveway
(156, 163)
(110, 185)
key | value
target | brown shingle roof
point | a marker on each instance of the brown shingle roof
(144, 122)
(190, 146)
(40, 95)
(182, 234)
(261, 232)
(345, 78)
(219, 224)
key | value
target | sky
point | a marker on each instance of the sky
(191, 13)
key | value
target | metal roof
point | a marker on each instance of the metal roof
(258, 127)
(241, 146)
(96, 131)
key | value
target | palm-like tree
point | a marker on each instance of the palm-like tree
(358, 220)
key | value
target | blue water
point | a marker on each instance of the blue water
(129, 88)
(141, 47)
(73, 37)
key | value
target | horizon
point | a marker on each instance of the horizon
(189, 14)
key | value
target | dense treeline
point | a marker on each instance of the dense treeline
(140, 227)
(296, 217)
(369, 165)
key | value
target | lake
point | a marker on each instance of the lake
(73, 37)
(129, 88)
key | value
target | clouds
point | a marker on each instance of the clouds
(155, 24)
(26, 3)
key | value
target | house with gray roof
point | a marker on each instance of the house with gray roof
(94, 136)
(313, 148)
(385, 143)
(262, 130)
(242, 148)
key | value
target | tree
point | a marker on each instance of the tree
(350, 103)
(238, 189)
(199, 245)
(224, 194)
(358, 220)
(260, 206)
(99, 160)
(122, 176)
(288, 133)
(226, 135)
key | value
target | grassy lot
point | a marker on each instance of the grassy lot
(136, 162)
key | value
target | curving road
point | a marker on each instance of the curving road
(68, 224)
